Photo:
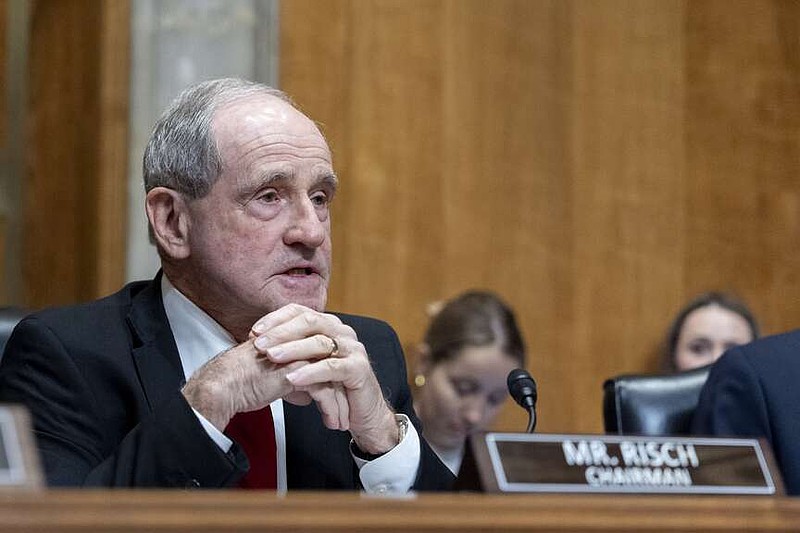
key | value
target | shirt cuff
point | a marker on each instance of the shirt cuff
(396, 470)
(216, 435)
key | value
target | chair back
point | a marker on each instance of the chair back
(9, 318)
(652, 404)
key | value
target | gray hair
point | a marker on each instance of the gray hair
(182, 151)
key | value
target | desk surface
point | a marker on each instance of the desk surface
(205, 511)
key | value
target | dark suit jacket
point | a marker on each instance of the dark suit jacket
(102, 382)
(754, 391)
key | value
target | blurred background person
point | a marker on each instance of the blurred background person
(470, 346)
(705, 328)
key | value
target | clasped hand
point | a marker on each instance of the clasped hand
(300, 355)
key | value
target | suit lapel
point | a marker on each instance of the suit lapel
(155, 353)
(316, 457)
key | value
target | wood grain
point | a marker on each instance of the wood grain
(743, 141)
(75, 185)
(112, 149)
(3, 67)
(3, 133)
(193, 511)
(595, 163)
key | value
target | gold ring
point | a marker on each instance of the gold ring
(334, 349)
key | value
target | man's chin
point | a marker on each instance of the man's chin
(310, 291)
(315, 302)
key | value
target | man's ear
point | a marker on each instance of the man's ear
(169, 220)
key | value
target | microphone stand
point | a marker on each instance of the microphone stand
(531, 419)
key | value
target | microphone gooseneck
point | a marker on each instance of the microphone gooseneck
(522, 388)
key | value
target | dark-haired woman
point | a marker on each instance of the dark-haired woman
(705, 328)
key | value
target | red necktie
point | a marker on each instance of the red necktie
(255, 433)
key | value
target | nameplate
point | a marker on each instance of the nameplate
(520, 462)
(19, 464)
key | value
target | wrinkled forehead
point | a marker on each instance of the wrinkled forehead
(265, 119)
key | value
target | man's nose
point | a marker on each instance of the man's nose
(305, 226)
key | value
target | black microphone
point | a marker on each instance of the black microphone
(522, 388)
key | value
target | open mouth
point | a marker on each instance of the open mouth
(307, 271)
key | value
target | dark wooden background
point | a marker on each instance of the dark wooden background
(595, 162)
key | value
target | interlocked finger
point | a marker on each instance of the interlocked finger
(310, 348)
(332, 404)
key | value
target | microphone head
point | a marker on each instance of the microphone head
(522, 387)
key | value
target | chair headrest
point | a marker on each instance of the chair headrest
(9, 318)
(652, 404)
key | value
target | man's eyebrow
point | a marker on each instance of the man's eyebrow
(329, 179)
(277, 177)
(269, 179)
(274, 176)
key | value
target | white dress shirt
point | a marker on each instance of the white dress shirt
(199, 338)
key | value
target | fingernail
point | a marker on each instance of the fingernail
(292, 376)
(259, 327)
(261, 343)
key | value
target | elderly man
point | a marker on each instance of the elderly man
(224, 370)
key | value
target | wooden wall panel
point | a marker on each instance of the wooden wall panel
(62, 92)
(628, 190)
(112, 147)
(509, 220)
(743, 153)
(3, 135)
(596, 163)
(3, 66)
(74, 208)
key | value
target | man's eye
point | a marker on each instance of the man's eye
(269, 196)
(320, 199)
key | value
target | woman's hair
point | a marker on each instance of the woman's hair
(723, 300)
(474, 318)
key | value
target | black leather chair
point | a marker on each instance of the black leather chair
(9, 317)
(654, 404)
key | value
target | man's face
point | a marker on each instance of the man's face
(260, 238)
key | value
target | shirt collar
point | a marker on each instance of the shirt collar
(198, 336)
